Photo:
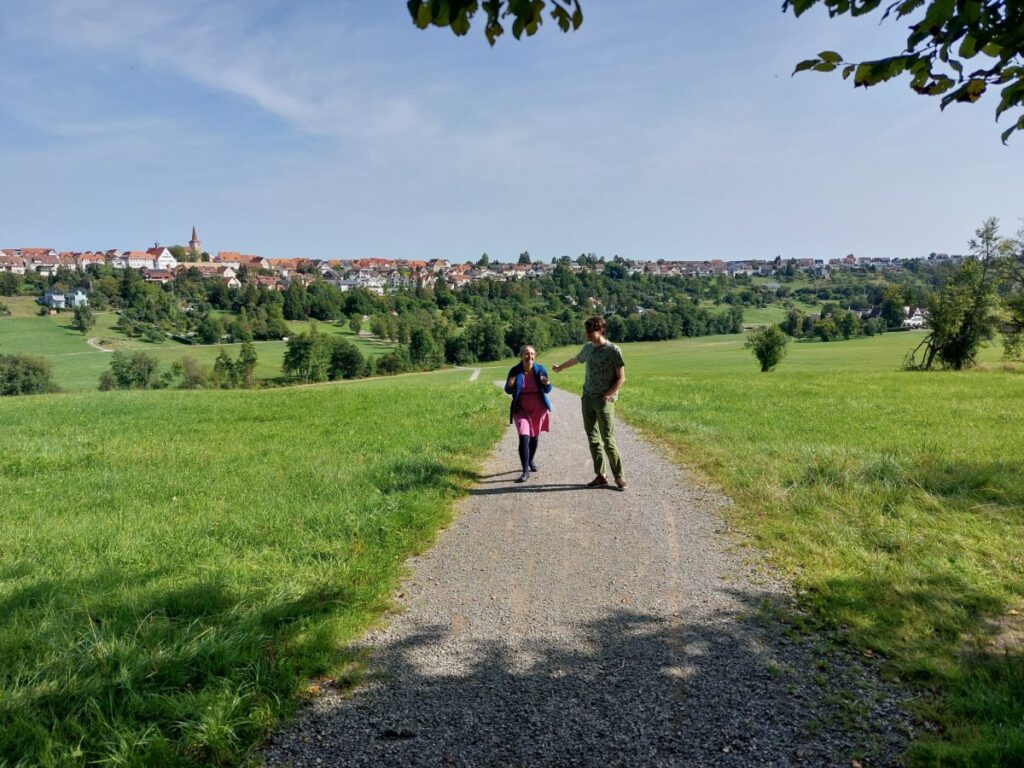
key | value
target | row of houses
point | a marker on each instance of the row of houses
(158, 264)
(46, 261)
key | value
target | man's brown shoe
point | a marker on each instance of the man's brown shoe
(621, 483)
(598, 481)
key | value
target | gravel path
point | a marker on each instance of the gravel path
(555, 625)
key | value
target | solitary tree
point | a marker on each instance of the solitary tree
(84, 318)
(768, 345)
(963, 312)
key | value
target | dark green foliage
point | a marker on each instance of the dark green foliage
(826, 329)
(308, 356)
(25, 375)
(210, 329)
(457, 352)
(793, 324)
(325, 301)
(964, 310)
(962, 317)
(245, 366)
(486, 340)
(393, 363)
(347, 361)
(295, 301)
(526, 16)
(10, 284)
(224, 374)
(956, 49)
(191, 374)
(769, 346)
(423, 350)
(135, 371)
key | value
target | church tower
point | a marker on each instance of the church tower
(194, 245)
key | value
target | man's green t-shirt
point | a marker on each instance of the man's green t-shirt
(602, 363)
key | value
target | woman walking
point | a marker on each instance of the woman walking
(528, 384)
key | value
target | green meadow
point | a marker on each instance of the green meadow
(178, 565)
(895, 500)
(77, 365)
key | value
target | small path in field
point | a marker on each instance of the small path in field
(95, 344)
(557, 625)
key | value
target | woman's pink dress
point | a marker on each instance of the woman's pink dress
(531, 416)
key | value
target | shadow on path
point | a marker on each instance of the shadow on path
(640, 690)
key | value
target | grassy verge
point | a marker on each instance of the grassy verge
(896, 501)
(176, 565)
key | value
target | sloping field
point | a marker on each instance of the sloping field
(176, 565)
(896, 501)
(77, 365)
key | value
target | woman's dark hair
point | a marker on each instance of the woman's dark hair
(595, 325)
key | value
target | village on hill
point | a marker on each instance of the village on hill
(160, 264)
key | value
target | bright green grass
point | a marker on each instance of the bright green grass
(177, 565)
(77, 365)
(896, 501)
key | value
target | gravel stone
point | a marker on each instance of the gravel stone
(557, 625)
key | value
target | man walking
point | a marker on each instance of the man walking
(605, 375)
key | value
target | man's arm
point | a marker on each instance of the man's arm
(620, 379)
(567, 364)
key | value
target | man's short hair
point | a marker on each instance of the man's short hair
(595, 324)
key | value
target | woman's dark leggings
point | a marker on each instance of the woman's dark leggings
(527, 450)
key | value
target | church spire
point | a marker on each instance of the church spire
(194, 245)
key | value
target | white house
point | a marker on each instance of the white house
(136, 260)
(76, 298)
(161, 258)
(53, 299)
(916, 317)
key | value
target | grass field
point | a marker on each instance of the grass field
(895, 500)
(77, 365)
(177, 565)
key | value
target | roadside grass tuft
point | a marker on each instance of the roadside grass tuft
(178, 565)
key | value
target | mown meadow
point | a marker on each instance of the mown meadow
(178, 565)
(895, 500)
(77, 365)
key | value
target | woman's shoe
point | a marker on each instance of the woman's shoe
(533, 466)
(523, 477)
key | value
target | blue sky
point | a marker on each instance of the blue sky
(335, 129)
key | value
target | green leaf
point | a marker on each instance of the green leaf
(804, 65)
(1018, 126)
(992, 49)
(824, 66)
(460, 24)
(969, 47)
(830, 56)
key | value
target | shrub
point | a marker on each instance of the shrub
(138, 371)
(768, 345)
(25, 375)
(346, 361)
